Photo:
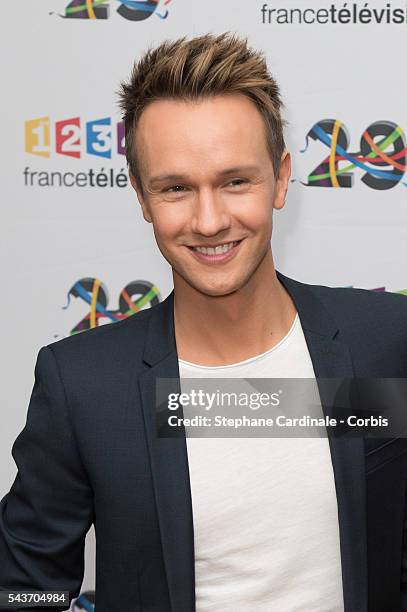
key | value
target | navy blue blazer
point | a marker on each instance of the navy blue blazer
(89, 453)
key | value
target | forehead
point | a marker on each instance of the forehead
(224, 129)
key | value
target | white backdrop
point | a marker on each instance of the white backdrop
(60, 70)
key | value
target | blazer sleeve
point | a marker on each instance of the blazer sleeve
(46, 514)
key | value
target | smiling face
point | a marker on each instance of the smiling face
(208, 180)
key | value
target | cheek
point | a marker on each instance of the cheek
(257, 218)
(168, 221)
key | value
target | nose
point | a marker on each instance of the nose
(210, 215)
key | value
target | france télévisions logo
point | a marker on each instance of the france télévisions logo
(132, 10)
(79, 140)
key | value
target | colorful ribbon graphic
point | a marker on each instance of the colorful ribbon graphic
(94, 292)
(371, 157)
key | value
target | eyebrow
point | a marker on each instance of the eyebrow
(181, 177)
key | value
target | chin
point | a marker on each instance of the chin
(214, 290)
(207, 284)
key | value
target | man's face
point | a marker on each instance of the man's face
(208, 180)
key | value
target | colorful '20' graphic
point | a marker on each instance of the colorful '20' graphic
(68, 137)
(94, 293)
(382, 145)
(133, 10)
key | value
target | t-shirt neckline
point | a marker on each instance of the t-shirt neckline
(191, 365)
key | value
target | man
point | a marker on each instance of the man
(200, 524)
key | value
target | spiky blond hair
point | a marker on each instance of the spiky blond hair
(207, 65)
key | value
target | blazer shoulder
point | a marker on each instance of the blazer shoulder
(367, 316)
(107, 340)
(345, 301)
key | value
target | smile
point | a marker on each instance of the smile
(220, 253)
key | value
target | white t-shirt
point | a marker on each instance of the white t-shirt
(264, 509)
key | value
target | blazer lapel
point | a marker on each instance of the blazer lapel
(331, 358)
(169, 462)
(169, 459)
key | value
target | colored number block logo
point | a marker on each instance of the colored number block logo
(68, 137)
(37, 136)
(99, 137)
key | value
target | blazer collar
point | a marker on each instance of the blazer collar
(331, 358)
(313, 315)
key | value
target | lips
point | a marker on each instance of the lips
(215, 258)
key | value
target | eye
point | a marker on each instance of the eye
(238, 182)
(174, 189)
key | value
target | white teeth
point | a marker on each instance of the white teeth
(224, 248)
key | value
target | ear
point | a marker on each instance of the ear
(282, 181)
(137, 188)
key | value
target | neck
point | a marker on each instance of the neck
(217, 330)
